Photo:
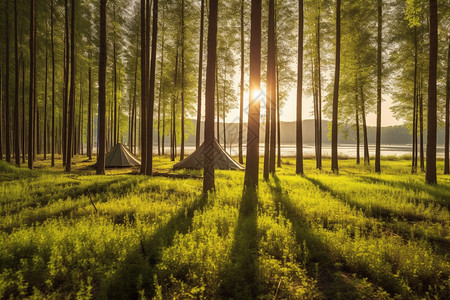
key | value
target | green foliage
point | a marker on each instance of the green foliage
(121, 236)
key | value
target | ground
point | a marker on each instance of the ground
(125, 236)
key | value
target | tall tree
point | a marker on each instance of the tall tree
(447, 115)
(7, 94)
(151, 97)
(53, 81)
(432, 96)
(102, 91)
(334, 130)
(208, 173)
(241, 104)
(183, 79)
(379, 74)
(45, 98)
(16, 94)
(200, 76)
(299, 121)
(32, 83)
(1, 108)
(71, 103)
(252, 166)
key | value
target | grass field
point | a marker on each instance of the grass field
(126, 236)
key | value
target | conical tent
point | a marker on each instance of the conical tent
(120, 156)
(222, 160)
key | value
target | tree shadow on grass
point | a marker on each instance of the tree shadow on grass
(372, 210)
(320, 262)
(137, 271)
(439, 193)
(240, 278)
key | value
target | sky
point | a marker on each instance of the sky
(288, 111)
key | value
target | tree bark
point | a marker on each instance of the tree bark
(115, 77)
(200, 76)
(161, 138)
(89, 116)
(252, 167)
(278, 121)
(414, 146)
(32, 82)
(241, 103)
(447, 116)
(71, 104)
(182, 81)
(272, 57)
(151, 101)
(299, 121)
(358, 157)
(208, 172)
(1, 108)
(334, 133)
(144, 7)
(23, 110)
(366, 139)
(53, 83)
(16, 94)
(45, 100)
(432, 96)
(379, 86)
(422, 154)
(7, 94)
(319, 96)
(102, 91)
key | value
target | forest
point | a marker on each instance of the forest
(143, 149)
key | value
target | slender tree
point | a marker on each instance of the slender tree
(32, 82)
(447, 116)
(334, 130)
(432, 96)
(143, 85)
(45, 100)
(208, 173)
(16, 94)
(299, 121)
(252, 166)
(1, 108)
(23, 109)
(272, 82)
(53, 81)
(7, 94)
(102, 91)
(379, 74)
(241, 104)
(182, 80)
(71, 103)
(151, 97)
(200, 76)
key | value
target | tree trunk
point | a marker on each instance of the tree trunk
(45, 100)
(66, 82)
(71, 104)
(422, 154)
(133, 109)
(114, 141)
(173, 121)
(447, 117)
(366, 139)
(358, 157)
(319, 96)
(217, 103)
(252, 167)
(53, 83)
(1, 109)
(278, 122)
(182, 81)
(208, 173)
(32, 81)
(16, 94)
(200, 76)
(432, 96)
(334, 130)
(102, 91)
(241, 104)
(414, 146)
(299, 121)
(144, 7)
(23, 110)
(7, 95)
(161, 138)
(379, 77)
(272, 57)
(151, 101)
(81, 120)
(89, 117)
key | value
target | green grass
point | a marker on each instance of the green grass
(126, 236)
